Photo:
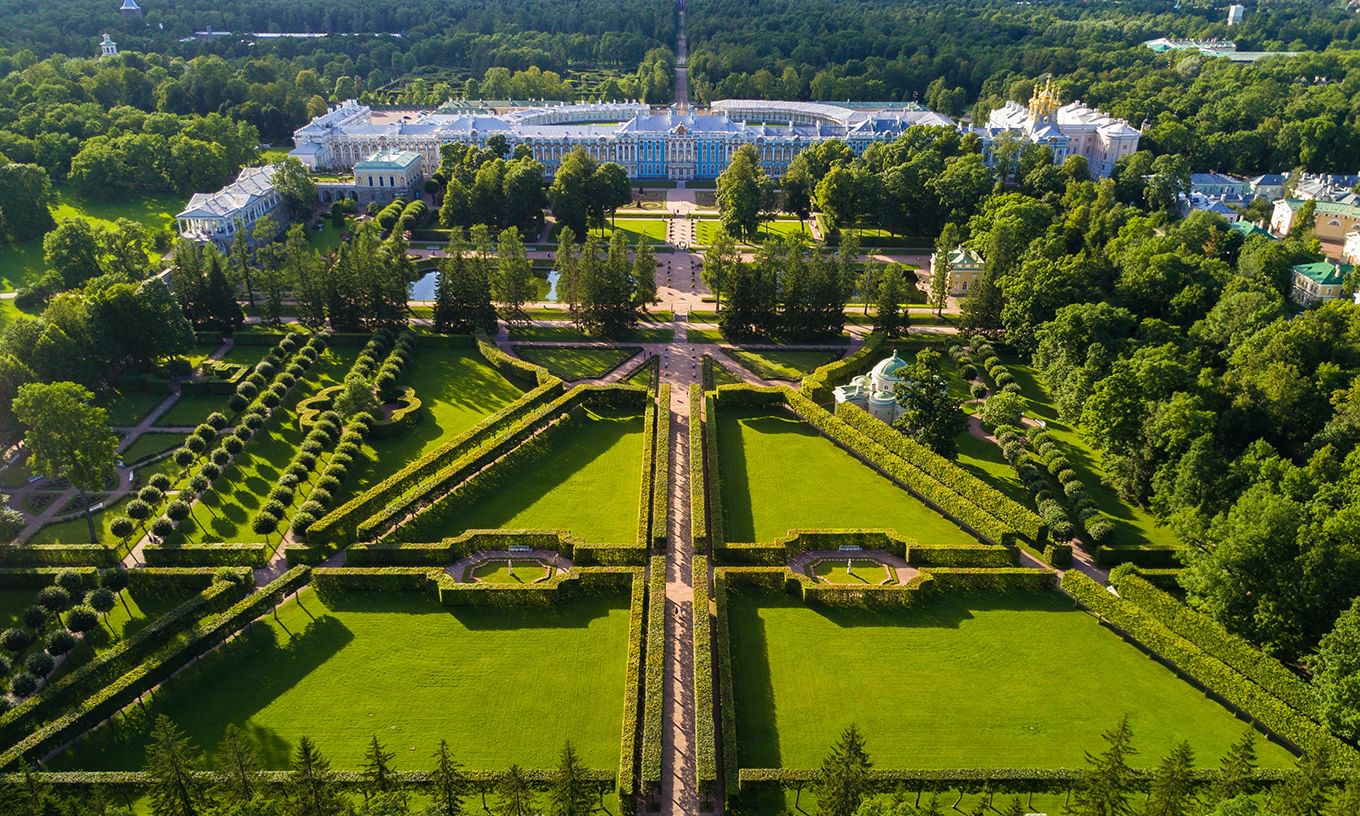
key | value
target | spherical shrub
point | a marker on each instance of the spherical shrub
(184, 456)
(101, 599)
(16, 639)
(244, 432)
(39, 664)
(122, 527)
(296, 369)
(177, 510)
(34, 617)
(265, 368)
(252, 422)
(264, 524)
(286, 380)
(302, 522)
(282, 494)
(71, 581)
(1099, 529)
(1011, 388)
(332, 469)
(139, 510)
(271, 399)
(23, 684)
(289, 480)
(968, 372)
(82, 618)
(1061, 529)
(217, 419)
(347, 449)
(1066, 475)
(114, 578)
(1074, 490)
(342, 459)
(4, 666)
(313, 446)
(220, 457)
(210, 471)
(233, 445)
(978, 390)
(151, 494)
(274, 508)
(298, 471)
(351, 437)
(258, 380)
(321, 496)
(305, 459)
(196, 446)
(237, 402)
(160, 481)
(162, 527)
(288, 343)
(60, 642)
(312, 507)
(328, 483)
(54, 599)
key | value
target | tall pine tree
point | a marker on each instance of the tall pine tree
(844, 779)
(172, 764)
(1104, 787)
(1171, 792)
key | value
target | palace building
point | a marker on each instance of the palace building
(1073, 129)
(235, 209)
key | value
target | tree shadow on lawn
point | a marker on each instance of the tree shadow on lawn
(229, 686)
(574, 613)
(464, 380)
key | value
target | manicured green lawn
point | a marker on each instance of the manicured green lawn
(328, 239)
(21, 264)
(75, 531)
(150, 444)
(653, 229)
(457, 390)
(499, 572)
(861, 571)
(1016, 680)
(501, 685)
(226, 511)
(642, 334)
(1132, 524)
(779, 474)
(782, 365)
(585, 478)
(697, 335)
(985, 461)
(191, 410)
(247, 354)
(127, 408)
(707, 229)
(577, 363)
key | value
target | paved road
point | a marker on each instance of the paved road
(682, 65)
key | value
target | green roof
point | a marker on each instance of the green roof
(388, 160)
(1328, 207)
(1324, 273)
(1249, 229)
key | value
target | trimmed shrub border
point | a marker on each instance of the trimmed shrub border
(698, 507)
(654, 677)
(705, 747)
(661, 470)
(820, 384)
(444, 553)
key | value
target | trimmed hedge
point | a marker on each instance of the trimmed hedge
(85, 682)
(698, 509)
(727, 719)
(1206, 633)
(717, 522)
(821, 383)
(57, 555)
(443, 553)
(979, 556)
(976, 780)
(106, 700)
(645, 492)
(705, 748)
(202, 555)
(950, 474)
(654, 676)
(1007, 579)
(511, 367)
(632, 696)
(661, 470)
(79, 783)
(341, 524)
(1207, 671)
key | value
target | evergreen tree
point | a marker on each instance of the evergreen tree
(1105, 786)
(219, 308)
(1015, 808)
(1171, 792)
(447, 784)
(301, 269)
(242, 263)
(720, 258)
(377, 769)
(982, 307)
(26, 795)
(889, 317)
(237, 763)
(644, 274)
(567, 259)
(844, 779)
(513, 283)
(1235, 770)
(572, 793)
(171, 767)
(1347, 801)
(516, 797)
(462, 298)
(1304, 791)
(311, 789)
(930, 414)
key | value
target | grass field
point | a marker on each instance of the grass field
(577, 363)
(861, 571)
(75, 531)
(191, 410)
(150, 444)
(652, 229)
(21, 264)
(457, 390)
(1132, 525)
(127, 408)
(586, 478)
(226, 511)
(501, 685)
(782, 365)
(524, 571)
(707, 229)
(779, 474)
(970, 679)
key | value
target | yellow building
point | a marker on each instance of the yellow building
(1331, 221)
(965, 270)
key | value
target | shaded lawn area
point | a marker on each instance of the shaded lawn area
(782, 365)
(226, 511)
(134, 611)
(457, 390)
(705, 335)
(199, 352)
(585, 476)
(189, 411)
(398, 665)
(21, 264)
(75, 531)
(779, 474)
(708, 228)
(642, 334)
(577, 363)
(1132, 525)
(126, 408)
(965, 680)
(150, 444)
(985, 461)
(247, 354)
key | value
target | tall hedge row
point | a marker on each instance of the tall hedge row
(717, 523)
(1206, 633)
(698, 505)
(820, 384)
(632, 695)
(1221, 680)
(511, 367)
(661, 470)
(727, 720)
(339, 526)
(654, 677)
(705, 749)
(645, 492)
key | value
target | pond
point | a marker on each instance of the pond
(423, 288)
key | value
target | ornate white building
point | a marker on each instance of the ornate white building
(1069, 130)
(218, 217)
(875, 392)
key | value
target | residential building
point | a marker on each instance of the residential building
(965, 270)
(1235, 13)
(1247, 229)
(1319, 282)
(219, 217)
(1215, 205)
(1219, 186)
(1332, 220)
(1340, 188)
(1269, 186)
(386, 175)
(1350, 249)
(1073, 129)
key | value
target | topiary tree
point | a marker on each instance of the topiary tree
(35, 617)
(177, 510)
(195, 447)
(162, 527)
(82, 618)
(233, 445)
(160, 481)
(71, 581)
(220, 457)
(264, 524)
(151, 494)
(1003, 408)
(217, 420)
(16, 639)
(55, 600)
(199, 483)
(23, 684)
(60, 642)
(102, 600)
(122, 528)
(40, 664)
